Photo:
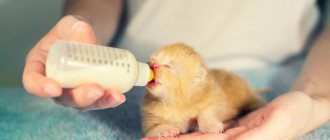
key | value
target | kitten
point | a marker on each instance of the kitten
(184, 91)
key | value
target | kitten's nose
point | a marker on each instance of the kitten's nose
(154, 66)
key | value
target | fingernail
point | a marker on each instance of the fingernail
(119, 97)
(68, 24)
(94, 95)
(50, 90)
(79, 18)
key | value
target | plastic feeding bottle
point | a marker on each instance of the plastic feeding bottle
(73, 64)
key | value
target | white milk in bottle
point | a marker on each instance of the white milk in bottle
(73, 64)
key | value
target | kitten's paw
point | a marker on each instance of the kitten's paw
(211, 127)
(164, 131)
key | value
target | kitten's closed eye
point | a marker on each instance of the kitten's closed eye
(155, 65)
(167, 66)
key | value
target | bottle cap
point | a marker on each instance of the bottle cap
(151, 76)
(145, 74)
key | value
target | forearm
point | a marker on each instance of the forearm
(315, 76)
(103, 15)
(314, 80)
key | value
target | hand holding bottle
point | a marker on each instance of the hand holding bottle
(85, 97)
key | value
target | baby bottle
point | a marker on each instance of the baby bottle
(72, 64)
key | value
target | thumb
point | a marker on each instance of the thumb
(68, 28)
(82, 31)
(74, 28)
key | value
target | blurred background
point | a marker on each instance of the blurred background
(22, 24)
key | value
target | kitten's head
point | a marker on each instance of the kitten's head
(176, 67)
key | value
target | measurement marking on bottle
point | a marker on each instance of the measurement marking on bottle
(83, 54)
(120, 55)
(109, 54)
(105, 55)
(98, 54)
(128, 67)
(69, 49)
(80, 50)
(93, 53)
(73, 49)
(115, 54)
(126, 56)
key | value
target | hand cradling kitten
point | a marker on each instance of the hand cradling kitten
(184, 90)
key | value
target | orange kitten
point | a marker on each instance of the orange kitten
(184, 91)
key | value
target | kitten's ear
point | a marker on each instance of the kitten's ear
(200, 74)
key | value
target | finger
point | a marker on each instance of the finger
(249, 117)
(34, 79)
(83, 32)
(81, 96)
(111, 98)
(37, 84)
(205, 136)
(208, 136)
(274, 125)
(197, 136)
(233, 132)
(74, 28)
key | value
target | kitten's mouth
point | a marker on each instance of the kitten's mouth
(153, 83)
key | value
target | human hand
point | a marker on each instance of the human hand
(85, 97)
(287, 117)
